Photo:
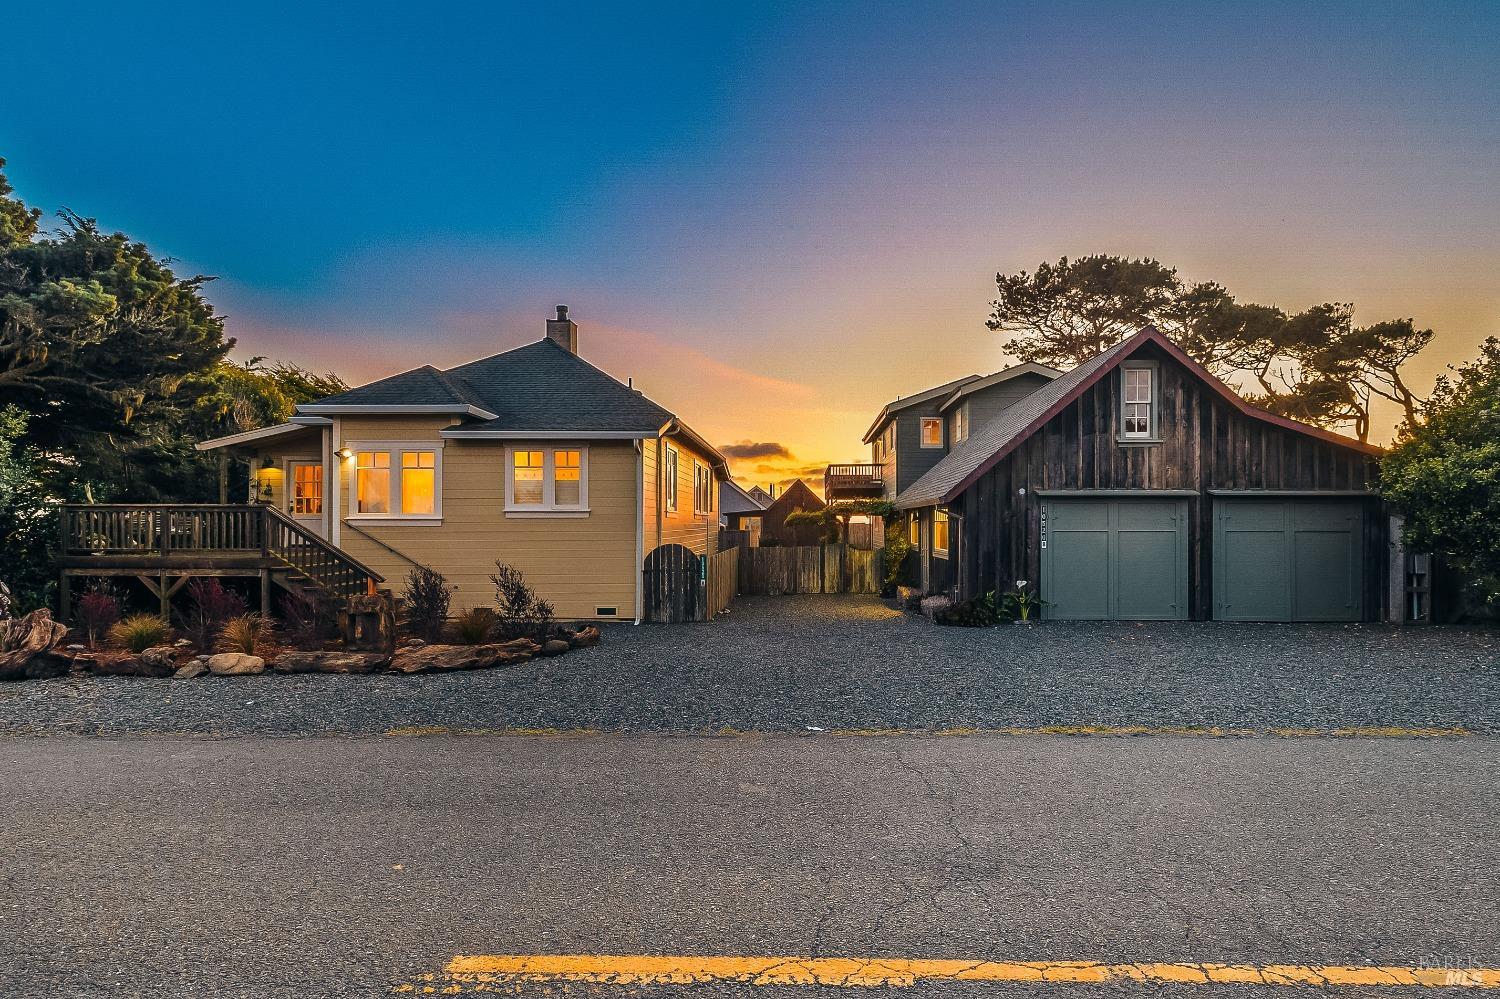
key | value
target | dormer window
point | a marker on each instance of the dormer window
(1138, 403)
(932, 431)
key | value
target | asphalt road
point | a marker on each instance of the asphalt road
(321, 867)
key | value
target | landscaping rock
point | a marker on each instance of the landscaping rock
(191, 671)
(414, 643)
(77, 648)
(448, 658)
(555, 647)
(31, 638)
(159, 661)
(182, 643)
(112, 665)
(933, 606)
(328, 662)
(235, 664)
(584, 637)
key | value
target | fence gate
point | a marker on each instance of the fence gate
(673, 578)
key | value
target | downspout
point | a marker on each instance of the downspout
(640, 529)
(335, 444)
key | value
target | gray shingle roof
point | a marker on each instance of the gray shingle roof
(541, 386)
(996, 435)
(926, 395)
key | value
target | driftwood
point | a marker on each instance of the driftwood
(328, 662)
(28, 646)
(447, 658)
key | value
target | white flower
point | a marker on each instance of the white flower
(1021, 584)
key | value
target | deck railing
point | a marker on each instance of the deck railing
(166, 535)
(852, 478)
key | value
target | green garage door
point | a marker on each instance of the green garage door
(1288, 560)
(1114, 559)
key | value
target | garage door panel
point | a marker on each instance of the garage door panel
(1147, 575)
(1080, 561)
(1287, 560)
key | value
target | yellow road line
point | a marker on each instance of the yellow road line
(480, 972)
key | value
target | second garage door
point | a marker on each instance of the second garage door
(1288, 560)
(1114, 559)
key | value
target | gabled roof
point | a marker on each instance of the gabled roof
(424, 388)
(968, 388)
(734, 499)
(988, 445)
(936, 392)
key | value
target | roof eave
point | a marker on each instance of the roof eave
(377, 409)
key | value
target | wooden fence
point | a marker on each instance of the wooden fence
(682, 586)
(808, 569)
(723, 580)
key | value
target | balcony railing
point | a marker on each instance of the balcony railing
(852, 480)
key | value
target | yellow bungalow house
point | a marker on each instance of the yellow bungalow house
(533, 457)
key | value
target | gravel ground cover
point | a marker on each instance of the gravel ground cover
(823, 662)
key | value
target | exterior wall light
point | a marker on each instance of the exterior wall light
(344, 453)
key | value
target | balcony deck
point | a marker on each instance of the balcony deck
(843, 482)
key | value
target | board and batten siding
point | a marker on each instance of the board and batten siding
(578, 563)
(1206, 445)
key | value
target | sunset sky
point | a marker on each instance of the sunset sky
(775, 218)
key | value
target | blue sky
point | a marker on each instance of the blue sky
(774, 217)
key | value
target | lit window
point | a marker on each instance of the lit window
(566, 468)
(670, 475)
(307, 489)
(372, 482)
(940, 534)
(527, 482)
(932, 431)
(418, 482)
(914, 531)
(1137, 415)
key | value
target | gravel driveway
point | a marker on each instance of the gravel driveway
(790, 663)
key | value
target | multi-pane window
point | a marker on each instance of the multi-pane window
(960, 429)
(396, 482)
(940, 534)
(914, 530)
(372, 482)
(566, 469)
(932, 431)
(1137, 414)
(418, 482)
(703, 488)
(669, 474)
(528, 487)
(548, 479)
(307, 489)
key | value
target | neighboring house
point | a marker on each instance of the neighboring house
(762, 496)
(1139, 486)
(739, 510)
(533, 457)
(774, 528)
(914, 433)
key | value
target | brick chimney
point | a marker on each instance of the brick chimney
(563, 330)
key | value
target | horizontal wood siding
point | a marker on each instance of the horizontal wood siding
(698, 532)
(1206, 445)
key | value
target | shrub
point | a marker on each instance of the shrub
(427, 595)
(977, 612)
(242, 634)
(139, 632)
(894, 553)
(520, 612)
(474, 626)
(304, 618)
(98, 610)
(211, 606)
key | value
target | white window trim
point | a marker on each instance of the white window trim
(942, 552)
(549, 506)
(707, 488)
(395, 517)
(670, 501)
(1153, 431)
(286, 485)
(922, 437)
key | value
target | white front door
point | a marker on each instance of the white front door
(304, 494)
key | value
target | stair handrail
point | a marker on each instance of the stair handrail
(303, 534)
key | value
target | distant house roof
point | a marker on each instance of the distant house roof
(987, 445)
(759, 494)
(896, 405)
(539, 390)
(734, 499)
(971, 386)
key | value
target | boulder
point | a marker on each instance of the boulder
(235, 664)
(159, 661)
(447, 658)
(182, 643)
(33, 637)
(328, 662)
(584, 637)
(191, 671)
(555, 647)
(77, 648)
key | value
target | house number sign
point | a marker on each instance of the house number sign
(1044, 527)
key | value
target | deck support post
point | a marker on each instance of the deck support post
(223, 477)
(166, 600)
(64, 596)
(265, 593)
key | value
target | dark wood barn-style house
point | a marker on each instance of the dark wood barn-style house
(1140, 487)
(774, 529)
